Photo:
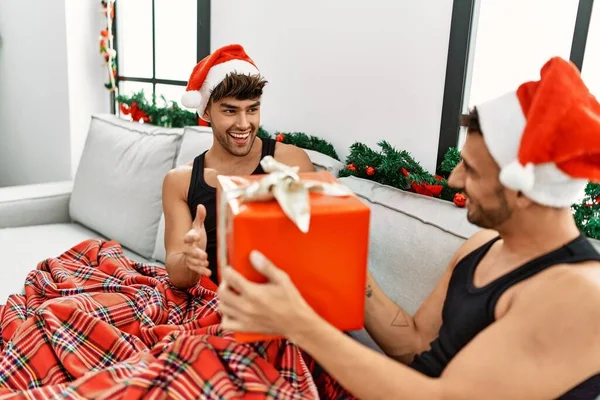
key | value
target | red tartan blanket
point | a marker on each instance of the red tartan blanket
(94, 324)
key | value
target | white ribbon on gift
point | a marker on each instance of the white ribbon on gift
(281, 183)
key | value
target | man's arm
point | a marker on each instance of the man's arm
(178, 222)
(400, 335)
(544, 345)
(293, 156)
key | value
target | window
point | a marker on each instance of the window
(158, 43)
(591, 59)
(496, 45)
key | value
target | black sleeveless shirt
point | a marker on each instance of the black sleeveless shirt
(201, 193)
(468, 310)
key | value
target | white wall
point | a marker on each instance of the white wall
(87, 75)
(49, 86)
(34, 104)
(347, 71)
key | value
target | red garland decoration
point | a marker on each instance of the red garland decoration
(136, 114)
(423, 188)
(279, 137)
(351, 167)
(370, 171)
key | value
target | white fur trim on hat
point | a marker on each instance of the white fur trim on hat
(502, 123)
(216, 75)
(517, 177)
(554, 188)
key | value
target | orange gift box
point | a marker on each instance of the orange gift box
(328, 263)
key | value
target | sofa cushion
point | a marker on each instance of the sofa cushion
(24, 248)
(196, 140)
(323, 162)
(117, 189)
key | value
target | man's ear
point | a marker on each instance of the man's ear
(523, 201)
(206, 115)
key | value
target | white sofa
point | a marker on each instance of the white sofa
(116, 194)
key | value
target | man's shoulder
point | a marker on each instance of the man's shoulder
(178, 178)
(565, 293)
(293, 155)
(574, 282)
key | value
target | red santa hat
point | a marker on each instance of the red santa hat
(546, 135)
(211, 71)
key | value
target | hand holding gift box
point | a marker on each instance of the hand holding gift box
(308, 224)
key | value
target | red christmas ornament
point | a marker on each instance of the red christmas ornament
(280, 137)
(439, 178)
(404, 172)
(351, 167)
(370, 171)
(460, 200)
(104, 33)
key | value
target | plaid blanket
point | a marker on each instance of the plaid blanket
(95, 324)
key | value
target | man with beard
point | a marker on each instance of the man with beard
(517, 314)
(225, 89)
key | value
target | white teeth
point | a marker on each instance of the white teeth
(238, 136)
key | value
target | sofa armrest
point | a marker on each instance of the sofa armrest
(37, 204)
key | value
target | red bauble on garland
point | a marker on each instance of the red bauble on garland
(351, 167)
(280, 137)
(460, 200)
(370, 171)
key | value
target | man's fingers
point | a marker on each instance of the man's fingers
(266, 267)
(200, 270)
(200, 216)
(231, 324)
(234, 280)
(194, 253)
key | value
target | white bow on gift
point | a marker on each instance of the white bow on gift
(283, 183)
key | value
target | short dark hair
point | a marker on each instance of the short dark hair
(240, 87)
(471, 121)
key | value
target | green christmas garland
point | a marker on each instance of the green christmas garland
(399, 169)
(169, 115)
(388, 166)
(587, 213)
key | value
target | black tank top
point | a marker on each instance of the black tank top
(201, 193)
(468, 310)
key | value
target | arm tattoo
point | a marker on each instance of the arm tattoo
(400, 320)
(369, 290)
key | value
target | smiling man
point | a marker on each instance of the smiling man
(517, 314)
(225, 89)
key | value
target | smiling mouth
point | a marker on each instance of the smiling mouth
(240, 138)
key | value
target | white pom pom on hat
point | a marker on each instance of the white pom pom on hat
(191, 99)
(518, 177)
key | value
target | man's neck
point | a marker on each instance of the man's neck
(539, 232)
(225, 163)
